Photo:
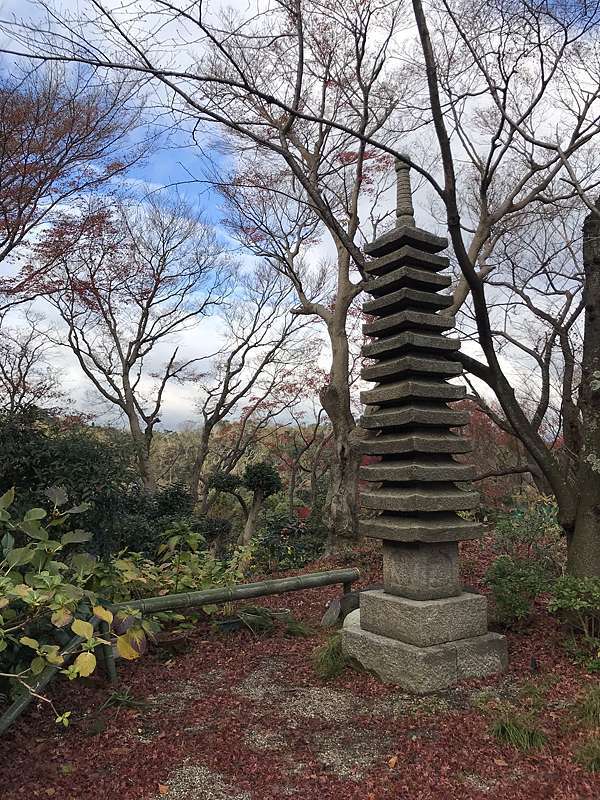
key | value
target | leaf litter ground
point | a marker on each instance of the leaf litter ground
(239, 717)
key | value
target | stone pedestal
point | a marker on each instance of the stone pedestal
(422, 631)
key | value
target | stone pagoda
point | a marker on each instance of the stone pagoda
(422, 631)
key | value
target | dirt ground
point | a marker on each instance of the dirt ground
(240, 717)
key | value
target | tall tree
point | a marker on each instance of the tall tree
(124, 281)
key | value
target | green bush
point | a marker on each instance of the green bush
(576, 602)
(515, 584)
(531, 531)
(286, 542)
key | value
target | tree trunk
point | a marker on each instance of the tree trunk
(249, 531)
(198, 466)
(341, 504)
(584, 540)
(141, 444)
(292, 488)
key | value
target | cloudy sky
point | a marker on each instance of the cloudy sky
(172, 166)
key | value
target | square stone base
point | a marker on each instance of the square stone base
(423, 622)
(423, 669)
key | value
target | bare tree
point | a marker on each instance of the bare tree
(256, 375)
(27, 377)
(125, 281)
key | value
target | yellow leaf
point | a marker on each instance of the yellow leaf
(125, 649)
(103, 613)
(163, 789)
(26, 641)
(85, 663)
(392, 762)
(61, 617)
(83, 628)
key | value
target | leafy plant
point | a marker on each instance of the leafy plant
(44, 594)
(576, 601)
(329, 660)
(530, 531)
(285, 542)
(515, 584)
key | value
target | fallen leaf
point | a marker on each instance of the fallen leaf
(392, 762)
(163, 789)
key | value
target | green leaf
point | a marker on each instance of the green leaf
(83, 562)
(38, 665)
(19, 556)
(82, 628)
(7, 498)
(80, 509)
(8, 542)
(75, 537)
(33, 530)
(57, 495)
(34, 513)
(27, 641)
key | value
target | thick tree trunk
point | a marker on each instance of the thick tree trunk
(584, 540)
(249, 531)
(341, 504)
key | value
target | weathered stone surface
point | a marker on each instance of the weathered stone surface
(410, 340)
(409, 364)
(414, 441)
(398, 237)
(421, 571)
(420, 498)
(441, 527)
(428, 390)
(407, 256)
(417, 470)
(423, 669)
(417, 415)
(407, 276)
(406, 298)
(424, 622)
(404, 320)
(480, 656)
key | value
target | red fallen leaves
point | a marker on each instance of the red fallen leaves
(438, 756)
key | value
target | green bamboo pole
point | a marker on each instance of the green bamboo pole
(245, 591)
(107, 653)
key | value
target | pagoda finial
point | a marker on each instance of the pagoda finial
(404, 206)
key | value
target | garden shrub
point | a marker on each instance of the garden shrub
(44, 596)
(286, 542)
(531, 531)
(576, 602)
(515, 584)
